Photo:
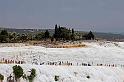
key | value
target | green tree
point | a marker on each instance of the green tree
(46, 34)
(1, 77)
(30, 36)
(4, 36)
(56, 78)
(4, 32)
(13, 37)
(23, 37)
(72, 35)
(89, 36)
(32, 75)
(18, 72)
(39, 36)
(56, 34)
(62, 33)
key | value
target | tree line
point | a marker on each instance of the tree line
(60, 33)
(13, 37)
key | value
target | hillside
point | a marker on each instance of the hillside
(98, 62)
(104, 52)
(110, 36)
(69, 74)
(107, 36)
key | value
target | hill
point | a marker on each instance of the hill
(107, 36)
(105, 61)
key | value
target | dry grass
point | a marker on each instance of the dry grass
(57, 44)
(70, 46)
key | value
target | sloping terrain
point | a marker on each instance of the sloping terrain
(110, 56)
(69, 74)
(105, 52)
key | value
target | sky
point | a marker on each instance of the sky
(85, 15)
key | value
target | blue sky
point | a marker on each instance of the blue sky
(96, 15)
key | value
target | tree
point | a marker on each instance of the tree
(46, 34)
(30, 36)
(89, 36)
(4, 32)
(13, 37)
(56, 34)
(1, 77)
(23, 37)
(52, 39)
(72, 35)
(56, 78)
(18, 72)
(72, 31)
(32, 75)
(56, 29)
(62, 33)
(4, 36)
(39, 36)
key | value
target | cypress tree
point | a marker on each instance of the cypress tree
(72, 35)
(46, 34)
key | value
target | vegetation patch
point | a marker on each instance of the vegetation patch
(1, 77)
(56, 78)
(88, 77)
(32, 75)
(18, 72)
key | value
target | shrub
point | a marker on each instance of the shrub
(88, 77)
(32, 75)
(18, 72)
(1, 77)
(24, 76)
(56, 78)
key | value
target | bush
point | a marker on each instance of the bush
(18, 71)
(88, 77)
(24, 76)
(32, 75)
(1, 77)
(56, 78)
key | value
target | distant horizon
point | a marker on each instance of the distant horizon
(66, 27)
